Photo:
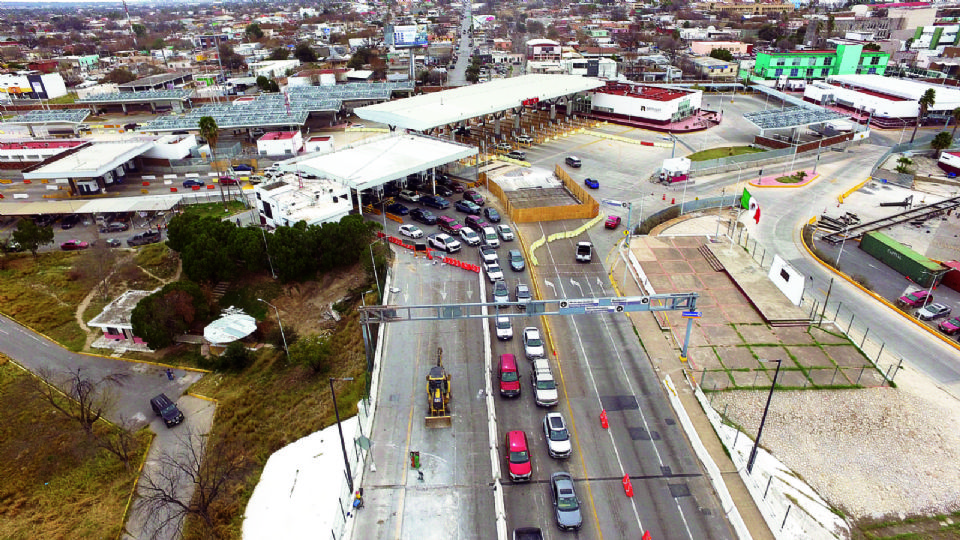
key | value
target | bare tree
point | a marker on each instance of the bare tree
(199, 463)
(89, 398)
(121, 441)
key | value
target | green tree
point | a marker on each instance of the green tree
(956, 121)
(236, 357)
(280, 53)
(314, 352)
(210, 131)
(360, 58)
(293, 252)
(253, 31)
(871, 47)
(120, 76)
(941, 142)
(304, 53)
(769, 32)
(169, 312)
(926, 101)
(31, 237)
(139, 30)
(722, 54)
(903, 164)
(229, 58)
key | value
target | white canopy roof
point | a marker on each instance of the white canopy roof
(428, 111)
(229, 328)
(91, 161)
(381, 159)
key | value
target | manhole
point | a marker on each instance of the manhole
(679, 490)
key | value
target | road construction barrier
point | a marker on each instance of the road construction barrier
(146, 184)
(603, 419)
(627, 486)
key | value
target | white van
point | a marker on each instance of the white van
(490, 237)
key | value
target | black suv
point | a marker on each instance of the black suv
(144, 238)
(423, 216)
(165, 408)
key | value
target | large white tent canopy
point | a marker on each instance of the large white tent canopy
(428, 111)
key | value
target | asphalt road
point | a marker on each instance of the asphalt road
(458, 76)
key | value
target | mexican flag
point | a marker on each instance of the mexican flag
(748, 202)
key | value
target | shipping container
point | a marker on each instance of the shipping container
(908, 262)
(952, 279)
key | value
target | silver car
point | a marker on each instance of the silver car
(558, 438)
(933, 311)
(532, 343)
(565, 501)
(504, 328)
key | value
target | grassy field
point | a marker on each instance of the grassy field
(272, 404)
(56, 482)
(215, 209)
(725, 151)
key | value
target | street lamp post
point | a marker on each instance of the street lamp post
(279, 322)
(373, 262)
(756, 443)
(343, 445)
(839, 253)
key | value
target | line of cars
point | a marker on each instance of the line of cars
(929, 311)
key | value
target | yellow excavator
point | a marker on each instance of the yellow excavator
(438, 395)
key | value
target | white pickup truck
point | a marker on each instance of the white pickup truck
(544, 385)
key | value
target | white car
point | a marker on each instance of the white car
(558, 438)
(488, 254)
(411, 231)
(444, 242)
(504, 328)
(532, 342)
(501, 294)
(493, 271)
(505, 232)
(409, 196)
(490, 237)
(468, 236)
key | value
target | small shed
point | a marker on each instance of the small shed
(233, 326)
(114, 320)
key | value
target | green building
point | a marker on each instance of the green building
(848, 59)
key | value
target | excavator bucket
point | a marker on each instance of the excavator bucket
(434, 422)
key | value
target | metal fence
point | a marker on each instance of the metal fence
(893, 177)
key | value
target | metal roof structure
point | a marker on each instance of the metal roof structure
(53, 116)
(91, 161)
(140, 203)
(229, 328)
(138, 97)
(791, 117)
(428, 111)
(117, 313)
(378, 160)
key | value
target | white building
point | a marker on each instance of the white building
(273, 69)
(284, 203)
(881, 97)
(319, 144)
(652, 103)
(280, 143)
(604, 68)
(32, 85)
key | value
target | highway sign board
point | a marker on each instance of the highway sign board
(691, 314)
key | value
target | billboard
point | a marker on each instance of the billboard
(414, 35)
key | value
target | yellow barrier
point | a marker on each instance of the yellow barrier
(853, 190)
(533, 247)
(6, 181)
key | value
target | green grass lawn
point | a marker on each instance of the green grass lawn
(56, 482)
(215, 209)
(726, 151)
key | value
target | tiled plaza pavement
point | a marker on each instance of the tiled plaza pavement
(730, 346)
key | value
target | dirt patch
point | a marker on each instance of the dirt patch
(306, 306)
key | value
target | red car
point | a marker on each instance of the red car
(228, 181)
(71, 245)
(474, 197)
(950, 326)
(916, 298)
(518, 457)
(612, 222)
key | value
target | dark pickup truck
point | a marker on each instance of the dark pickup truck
(144, 238)
(527, 533)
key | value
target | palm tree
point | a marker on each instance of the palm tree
(956, 120)
(926, 101)
(210, 131)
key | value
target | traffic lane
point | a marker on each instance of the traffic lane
(455, 461)
(138, 381)
(648, 442)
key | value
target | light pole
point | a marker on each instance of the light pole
(266, 249)
(343, 445)
(373, 262)
(282, 335)
(756, 443)
(839, 253)
(723, 191)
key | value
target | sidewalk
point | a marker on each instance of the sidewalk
(665, 357)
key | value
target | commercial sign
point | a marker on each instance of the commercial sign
(414, 35)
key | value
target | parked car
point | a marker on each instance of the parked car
(457, 187)
(493, 271)
(411, 231)
(69, 221)
(492, 214)
(474, 197)
(242, 167)
(444, 242)
(444, 191)
(409, 196)
(435, 201)
(516, 260)
(423, 216)
(501, 294)
(508, 373)
(113, 242)
(532, 342)
(489, 237)
(524, 139)
(934, 311)
(449, 225)
(228, 181)
(591, 183)
(517, 154)
(916, 298)
(397, 209)
(557, 436)
(166, 409)
(193, 182)
(73, 245)
(115, 226)
(505, 146)
(504, 328)
(566, 504)
(148, 237)
(467, 207)
(950, 326)
(523, 295)
(505, 232)
(518, 457)
(475, 222)
(572, 161)
(612, 222)
(469, 236)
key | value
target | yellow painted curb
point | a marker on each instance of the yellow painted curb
(136, 484)
(146, 362)
(914, 320)
(205, 398)
(853, 189)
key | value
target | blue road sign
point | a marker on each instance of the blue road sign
(692, 314)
